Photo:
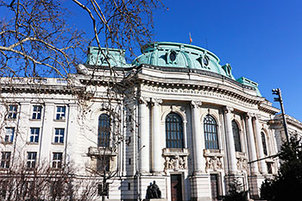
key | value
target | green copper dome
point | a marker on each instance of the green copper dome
(178, 55)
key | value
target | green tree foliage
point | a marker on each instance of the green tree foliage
(287, 184)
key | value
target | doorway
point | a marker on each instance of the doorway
(176, 187)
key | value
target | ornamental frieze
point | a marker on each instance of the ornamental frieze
(195, 92)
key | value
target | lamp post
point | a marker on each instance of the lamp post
(279, 99)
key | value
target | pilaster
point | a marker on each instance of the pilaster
(156, 136)
(230, 140)
(198, 140)
(144, 136)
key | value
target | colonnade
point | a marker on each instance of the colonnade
(153, 164)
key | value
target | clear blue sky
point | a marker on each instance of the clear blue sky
(261, 39)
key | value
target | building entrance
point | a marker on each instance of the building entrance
(176, 187)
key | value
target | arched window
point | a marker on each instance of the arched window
(104, 130)
(264, 143)
(210, 132)
(236, 135)
(174, 131)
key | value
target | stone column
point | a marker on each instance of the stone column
(156, 136)
(230, 140)
(198, 139)
(251, 144)
(144, 136)
(257, 127)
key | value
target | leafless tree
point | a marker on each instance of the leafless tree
(42, 182)
(36, 41)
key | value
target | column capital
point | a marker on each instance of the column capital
(196, 104)
(249, 115)
(228, 109)
(143, 100)
(156, 101)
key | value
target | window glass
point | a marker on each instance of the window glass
(61, 112)
(37, 111)
(5, 159)
(174, 131)
(264, 143)
(104, 130)
(34, 135)
(31, 159)
(210, 132)
(12, 111)
(59, 135)
(9, 134)
(57, 160)
(236, 135)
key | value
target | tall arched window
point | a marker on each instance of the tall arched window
(210, 132)
(174, 131)
(104, 130)
(236, 135)
(264, 143)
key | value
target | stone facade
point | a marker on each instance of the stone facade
(221, 123)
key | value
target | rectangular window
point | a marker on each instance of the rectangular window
(5, 159)
(37, 112)
(12, 112)
(31, 159)
(59, 135)
(34, 135)
(9, 134)
(61, 112)
(57, 160)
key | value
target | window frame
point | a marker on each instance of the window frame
(174, 130)
(34, 137)
(104, 130)
(59, 137)
(264, 143)
(31, 160)
(236, 136)
(36, 112)
(60, 113)
(12, 111)
(5, 159)
(9, 137)
(209, 134)
(57, 159)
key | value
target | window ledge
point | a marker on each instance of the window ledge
(32, 143)
(175, 151)
(100, 151)
(59, 120)
(213, 152)
(34, 119)
(7, 143)
(57, 143)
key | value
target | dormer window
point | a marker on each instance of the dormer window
(205, 60)
(172, 56)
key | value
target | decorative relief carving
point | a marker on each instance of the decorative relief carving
(156, 101)
(213, 159)
(143, 100)
(175, 159)
(196, 104)
(241, 161)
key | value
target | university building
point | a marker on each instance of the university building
(175, 116)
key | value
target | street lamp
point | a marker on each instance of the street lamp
(279, 99)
